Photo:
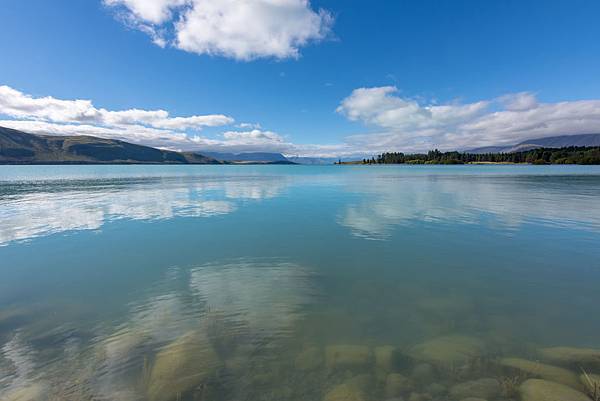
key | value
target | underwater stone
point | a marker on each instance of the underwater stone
(363, 383)
(448, 350)
(181, 366)
(397, 384)
(347, 356)
(344, 392)
(481, 388)
(436, 389)
(418, 397)
(473, 399)
(33, 392)
(383, 357)
(309, 358)
(423, 373)
(544, 390)
(568, 355)
(591, 382)
(548, 372)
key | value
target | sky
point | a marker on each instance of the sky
(335, 78)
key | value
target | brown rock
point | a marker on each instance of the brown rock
(548, 372)
(347, 356)
(544, 390)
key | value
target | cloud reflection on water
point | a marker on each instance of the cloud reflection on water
(386, 198)
(388, 201)
(239, 305)
(36, 209)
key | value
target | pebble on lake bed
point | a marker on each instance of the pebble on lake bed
(181, 366)
(32, 392)
(309, 358)
(347, 356)
(591, 382)
(423, 373)
(548, 372)
(544, 390)
(571, 355)
(448, 350)
(482, 388)
(397, 384)
(344, 392)
(384, 357)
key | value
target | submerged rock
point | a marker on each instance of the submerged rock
(482, 388)
(32, 392)
(363, 383)
(309, 358)
(418, 397)
(473, 399)
(181, 366)
(344, 392)
(448, 350)
(570, 355)
(423, 373)
(384, 357)
(544, 390)
(436, 389)
(397, 384)
(347, 356)
(544, 371)
(591, 382)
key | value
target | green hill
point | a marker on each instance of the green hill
(17, 147)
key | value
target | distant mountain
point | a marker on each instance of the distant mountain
(325, 160)
(253, 157)
(549, 142)
(313, 160)
(17, 147)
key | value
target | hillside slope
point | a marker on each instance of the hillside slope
(561, 141)
(264, 157)
(17, 147)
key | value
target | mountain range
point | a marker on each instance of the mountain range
(17, 147)
(560, 141)
(255, 157)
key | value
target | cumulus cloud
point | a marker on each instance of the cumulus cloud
(52, 116)
(396, 123)
(405, 124)
(239, 29)
(16, 104)
(519, 101)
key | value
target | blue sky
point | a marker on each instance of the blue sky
(320, 78)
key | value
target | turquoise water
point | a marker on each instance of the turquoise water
(295, 282)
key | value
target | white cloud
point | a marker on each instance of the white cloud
(255, 140)
(404, 124)
(519, 101)
(396, 124)
(249, 125)
(16, 104)
(151, 11)
(239, 29)
(381, 106)
(52, 116)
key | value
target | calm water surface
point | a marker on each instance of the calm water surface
(294, 282)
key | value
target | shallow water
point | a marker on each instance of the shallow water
(292, 282)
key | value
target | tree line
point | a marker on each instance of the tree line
(566, 155)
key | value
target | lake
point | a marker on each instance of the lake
(335, 283)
